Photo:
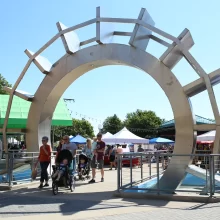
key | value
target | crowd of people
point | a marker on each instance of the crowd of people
(95, 151)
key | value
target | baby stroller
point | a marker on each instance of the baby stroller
(84, 169)
(66, 179)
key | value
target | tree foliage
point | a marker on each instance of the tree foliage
(112, 124)
(80, 126)
(3, 82)
(143, 123)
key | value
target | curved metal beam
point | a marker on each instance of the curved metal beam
(71, 67)
(198, 85)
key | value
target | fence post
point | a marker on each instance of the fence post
(121, 165)
(141, 170)
(206, 177)
(210, 176)
(32, 164)
(118, 174)
(150, 164)
(131, 178)
(158, 174)
(51, 154)
(162, 160)
(10, 168)
(213, 171)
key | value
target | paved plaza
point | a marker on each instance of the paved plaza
(95, 201)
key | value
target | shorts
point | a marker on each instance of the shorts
(94, 164)
(112, 158)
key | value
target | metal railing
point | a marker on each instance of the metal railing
(144, 171)
(17, 169)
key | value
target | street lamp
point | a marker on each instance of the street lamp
(100, 127)
(69, 100)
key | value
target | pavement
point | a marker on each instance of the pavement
(95, 202)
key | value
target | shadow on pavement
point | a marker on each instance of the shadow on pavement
(32, 201)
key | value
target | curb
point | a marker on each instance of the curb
(179, 198)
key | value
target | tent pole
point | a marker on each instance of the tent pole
(52, 137)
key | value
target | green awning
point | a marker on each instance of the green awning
(19, 113)
(199, 120)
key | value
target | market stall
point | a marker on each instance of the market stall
(124, 138)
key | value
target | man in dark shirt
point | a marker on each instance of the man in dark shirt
(99, 151)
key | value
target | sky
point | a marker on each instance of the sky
(29, 24)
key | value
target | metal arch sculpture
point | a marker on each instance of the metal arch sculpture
(79, 61)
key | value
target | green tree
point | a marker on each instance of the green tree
(143, 123)
(3, 82)
(112, 124)
(80, 126)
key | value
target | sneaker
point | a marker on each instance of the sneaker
(92, 181)
(110, 169)
(41, 186)
(102, 179)
(46, 185)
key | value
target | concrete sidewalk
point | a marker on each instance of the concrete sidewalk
(89, 201)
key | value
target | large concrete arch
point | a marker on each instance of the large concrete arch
(70, 67)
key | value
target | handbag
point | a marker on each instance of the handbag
(34, 174)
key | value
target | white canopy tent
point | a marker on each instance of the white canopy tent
(125, 137)
(13, 140)
(209, 136)
(107, 135)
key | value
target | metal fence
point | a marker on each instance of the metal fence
(202, 174)
(16, 168)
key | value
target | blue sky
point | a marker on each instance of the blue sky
(29, 24)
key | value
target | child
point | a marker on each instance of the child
(81, 166)
(61, 170)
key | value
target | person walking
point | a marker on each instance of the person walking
(100, 149)
(44, 159)
(111, 157)
(67, 145)
(140, 150)
(59, 148)
(87, 150)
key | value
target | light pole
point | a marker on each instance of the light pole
(100, 127)
(68, 100)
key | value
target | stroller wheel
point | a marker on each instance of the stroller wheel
(55, 188)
